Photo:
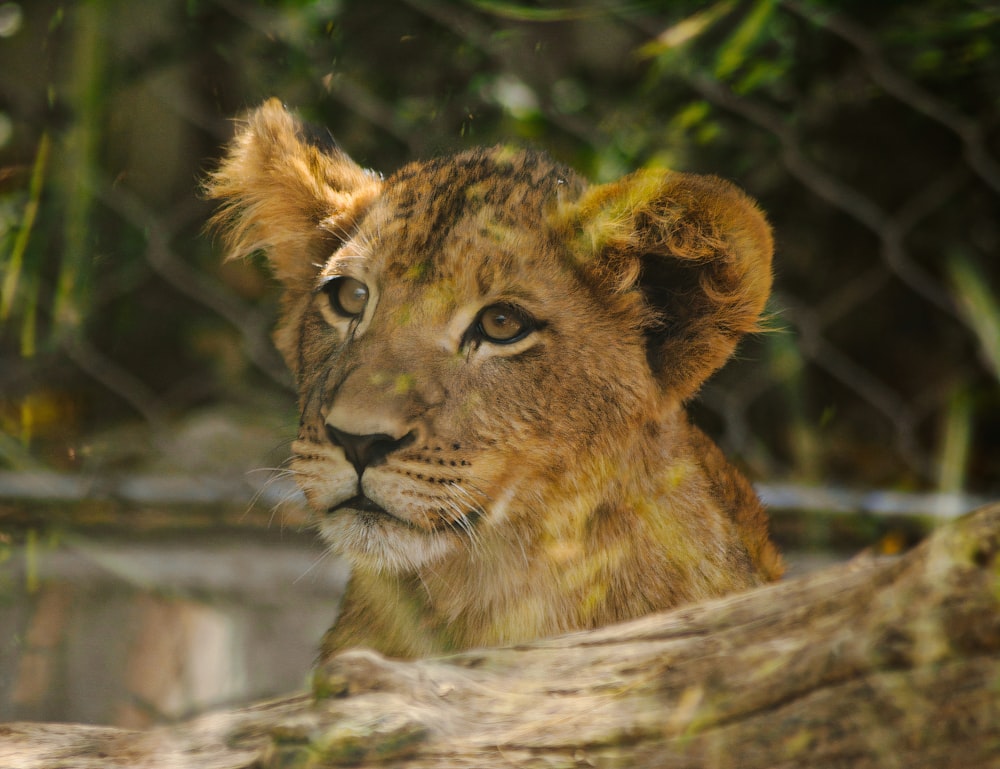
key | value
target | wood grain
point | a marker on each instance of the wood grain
(875, 663)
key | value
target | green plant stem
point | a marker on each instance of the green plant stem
(80, 157)
(15, 264)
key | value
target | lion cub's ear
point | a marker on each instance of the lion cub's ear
(287, 195)
(700, 252)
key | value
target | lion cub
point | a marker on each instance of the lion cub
(492, 359)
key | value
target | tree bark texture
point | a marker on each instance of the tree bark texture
(876, 663)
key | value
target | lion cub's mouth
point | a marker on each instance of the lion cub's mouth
(368, 510)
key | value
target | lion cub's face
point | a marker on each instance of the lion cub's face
(455, 362)
(480, 341)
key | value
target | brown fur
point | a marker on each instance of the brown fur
(531, 488)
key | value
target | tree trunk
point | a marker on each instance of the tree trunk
(876, 663)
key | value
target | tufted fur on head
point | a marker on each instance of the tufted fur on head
(492, 358)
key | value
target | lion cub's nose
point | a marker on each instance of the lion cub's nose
(366, 450)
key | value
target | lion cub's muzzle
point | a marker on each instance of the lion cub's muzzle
(363, 452)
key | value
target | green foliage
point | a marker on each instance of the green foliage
(18, 224)
(736, 51)
(115, 109)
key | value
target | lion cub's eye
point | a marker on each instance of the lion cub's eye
(503, 324)
(347, 296)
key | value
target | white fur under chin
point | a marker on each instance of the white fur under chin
(383, 544)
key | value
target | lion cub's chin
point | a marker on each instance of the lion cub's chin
(383, 543)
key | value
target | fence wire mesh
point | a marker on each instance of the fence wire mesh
(869, 132)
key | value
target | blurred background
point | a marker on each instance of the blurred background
(150, 563)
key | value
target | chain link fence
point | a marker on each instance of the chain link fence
(869, 132)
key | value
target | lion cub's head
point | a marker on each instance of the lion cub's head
(479, 338)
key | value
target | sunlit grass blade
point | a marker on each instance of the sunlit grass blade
(980, 309)
(956, 443)
(15, 264)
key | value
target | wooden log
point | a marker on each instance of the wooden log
(876, 663)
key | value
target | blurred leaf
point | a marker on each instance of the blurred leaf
(518, 12)
(759, 73)
(693, 114)
(736, 50)
(685, 31)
